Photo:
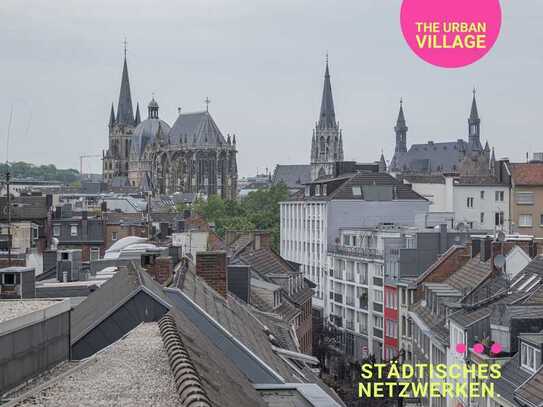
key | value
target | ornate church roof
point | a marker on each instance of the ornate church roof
(196, 129)
(148, 130)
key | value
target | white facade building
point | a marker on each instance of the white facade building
(476, 203)
(311, 223)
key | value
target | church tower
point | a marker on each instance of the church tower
(401, 139)
(474, 126)
(121, 126)
(401, 131)
(327, 140)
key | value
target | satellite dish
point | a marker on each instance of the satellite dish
(499, 261)
(500, 237)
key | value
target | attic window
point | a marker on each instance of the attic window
(357, 191)
(529, 357)
(532, 278)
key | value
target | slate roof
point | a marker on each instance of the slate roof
(147, 132)
(196, 129)
(512, 376)
(478, 180)
(293, 176)
(424, 179)
(126, 283)
(532, 390)
(536, 297)
(432, 157)
(25, 208)
(374, 186)
(436, 324)
(266, 263)
(527, 174)
(469, 276)
(222, 381)
(468, 316)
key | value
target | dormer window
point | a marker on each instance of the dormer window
(530, 357)
(317, 190)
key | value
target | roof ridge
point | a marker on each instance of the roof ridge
(187, 380)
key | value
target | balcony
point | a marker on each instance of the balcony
(338, 274)
(349, 301)
(360, 252)
(349, 325)
(350, 276)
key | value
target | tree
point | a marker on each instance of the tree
(259, 210)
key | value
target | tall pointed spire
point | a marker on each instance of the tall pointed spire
(111, 117)
(401, 131)
(327, 117)
(474, 114)
(138, 116)
(125, 113)
(474, 124)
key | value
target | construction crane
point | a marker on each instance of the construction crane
(81, 157)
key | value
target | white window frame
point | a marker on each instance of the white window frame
(56, 230)
(72, 228)
(522, 220)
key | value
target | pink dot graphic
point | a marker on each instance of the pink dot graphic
(451, 33)
(461, 347)
(496, 348)
(478, 348)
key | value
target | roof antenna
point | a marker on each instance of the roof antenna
(207, 102)
(8, 195)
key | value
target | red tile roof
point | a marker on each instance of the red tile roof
(527, 173)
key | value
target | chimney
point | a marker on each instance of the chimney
(475, 247)
(442, 238)
(486, 244)
(239, 281)
(211, 267)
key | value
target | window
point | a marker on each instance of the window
(391, 328)
(378, 295)
(482, 217)
(317, 190)
(346, 240)
(9, 279)
(525, 198)
(378, 322)
(541, 219)
(56, 230)
(482, 194)
(499, 217)
(529, 357)
(357, 191)
(469, 202)
(113, 236)
(73, 230)
(500, 196)
(94, 253)
(525, 220)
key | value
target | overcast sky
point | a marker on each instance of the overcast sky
(261, 63)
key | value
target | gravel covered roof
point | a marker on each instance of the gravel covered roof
(10, 309)
(132, 372)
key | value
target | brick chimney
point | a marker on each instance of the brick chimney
(211, 267)
(162, 269)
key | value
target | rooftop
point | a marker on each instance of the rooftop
(527, 173)
(10, 309)
(133, 371)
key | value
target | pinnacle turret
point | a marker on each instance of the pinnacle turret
(125, 113)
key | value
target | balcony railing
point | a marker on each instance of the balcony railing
(350, 276)
(355, 251)
(349, 325)
(349, 301)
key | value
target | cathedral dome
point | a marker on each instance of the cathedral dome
(148, 131)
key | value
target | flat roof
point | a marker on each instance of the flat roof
(17, 270)
(133, 371)
(10, 309)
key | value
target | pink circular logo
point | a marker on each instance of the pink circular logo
(451, 33)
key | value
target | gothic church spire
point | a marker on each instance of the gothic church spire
(125, 113)
(327, 117)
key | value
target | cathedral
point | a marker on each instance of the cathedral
(190, 156)
(466, 158)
